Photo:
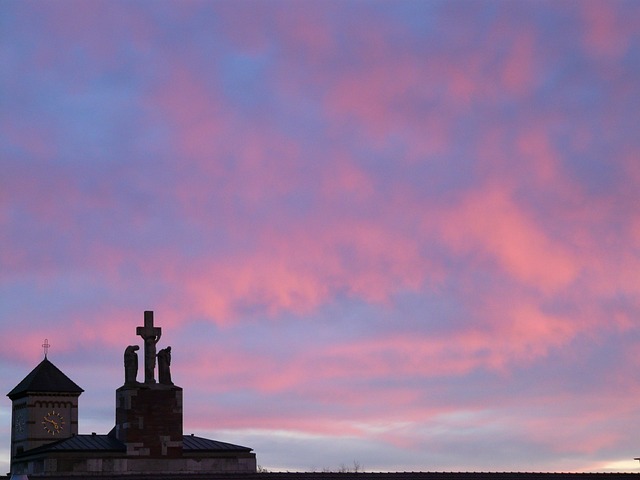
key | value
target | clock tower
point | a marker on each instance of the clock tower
(44, 408)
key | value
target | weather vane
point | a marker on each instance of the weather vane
(46, 346)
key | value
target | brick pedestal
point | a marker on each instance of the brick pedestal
(149, 420)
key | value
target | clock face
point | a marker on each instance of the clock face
(20, 424)
(53, 423)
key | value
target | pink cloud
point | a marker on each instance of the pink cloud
(374, 94)
(519, 67)
(535, 149)
(343, 178)
(490, 222)
(608, 30)
(305, 267)
(194, 110)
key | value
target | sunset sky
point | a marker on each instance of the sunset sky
(400, 233)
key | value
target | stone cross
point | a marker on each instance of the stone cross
(150, 335)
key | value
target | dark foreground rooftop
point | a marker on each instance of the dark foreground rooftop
(109, 444)
(366, 476)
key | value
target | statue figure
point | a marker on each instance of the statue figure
(131, 364)
(150, 335)
(164, 364)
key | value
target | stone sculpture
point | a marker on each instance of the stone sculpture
(131, 364)
(164, 364)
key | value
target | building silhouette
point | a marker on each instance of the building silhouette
(147, 438)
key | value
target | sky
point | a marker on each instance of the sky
(404, 234)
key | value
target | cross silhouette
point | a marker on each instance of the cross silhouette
(46, 346)
(150, 335)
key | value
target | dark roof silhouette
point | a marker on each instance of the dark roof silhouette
(191, 443)
(81, 443)
(46, 377)
(109, 443)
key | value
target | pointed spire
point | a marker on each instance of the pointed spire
(46, 377)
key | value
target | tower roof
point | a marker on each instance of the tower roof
(46, 377)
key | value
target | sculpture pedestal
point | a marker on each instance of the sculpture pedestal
(149, 420)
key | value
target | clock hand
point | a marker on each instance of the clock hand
(52, 422)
